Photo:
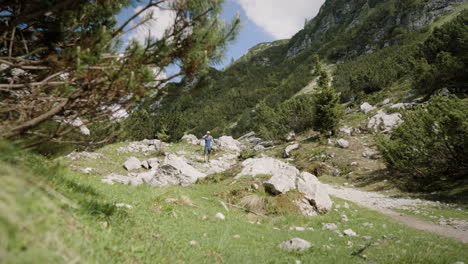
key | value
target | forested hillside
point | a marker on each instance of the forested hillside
(366, 47)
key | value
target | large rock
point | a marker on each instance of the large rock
(295, 244)
(366, 107)
(283, 175)
(191, 139)
(284, 178)
(132, 164)
(384, 122)
(315, 192)
(289, 149)
(246, 136)
(267, 144)
(181, 164)
(173, 170)
(291, 136)
(228, 142)
(345, 131)
(342, 143)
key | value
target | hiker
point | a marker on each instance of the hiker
(208, 144)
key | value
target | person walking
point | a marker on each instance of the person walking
(208, 145)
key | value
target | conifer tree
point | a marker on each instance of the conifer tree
(64, 60)
(328, 110)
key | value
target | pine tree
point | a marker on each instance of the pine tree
(328, 110)
(64, 59)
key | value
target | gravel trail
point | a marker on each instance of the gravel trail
(386, 205)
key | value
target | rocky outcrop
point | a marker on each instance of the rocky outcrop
(285, 178)
(384, 122)
(289, 149)
(229, 143)
(132, 164)
(366, 108)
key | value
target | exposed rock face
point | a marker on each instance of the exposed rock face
(173, 170)
(259, 148)
(289, 149)
(315, 192)
(366, 107)
(147, 145)
(384, 122)
(341, 16)
(295, 244)
(227, 142)
(267, 144)
(285, 178)
(132, 164)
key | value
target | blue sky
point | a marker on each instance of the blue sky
(261, 21)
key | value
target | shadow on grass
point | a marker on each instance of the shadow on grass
(78, 188)
(102, 210)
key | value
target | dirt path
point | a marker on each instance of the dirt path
(385, 204)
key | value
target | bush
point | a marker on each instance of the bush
(328, 110)
(429, 151)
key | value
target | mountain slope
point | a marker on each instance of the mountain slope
(374, 43)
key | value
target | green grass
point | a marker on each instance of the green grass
(39, 224)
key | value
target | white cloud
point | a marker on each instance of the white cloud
(280, 18)
(162, 19)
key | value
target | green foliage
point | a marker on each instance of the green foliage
(139, 125)
(328, 110)
(444, 58)
(429, 151)
(247, 154)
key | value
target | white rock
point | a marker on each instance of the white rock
(344, 218)
(220, 216)
(227, 142)
(354, 163)
(306, 208)
(349, 232)
(287, 151)
(342, 143)
(384, 122)
(145, 164)
(246, 136)
(295, 244)
(366, 107)
(345, 131)
(132, 164)
(124, 205)
(315, 192)
(153, 163)
(191, 139)
(291, 136)
(259, 148)
(329, 226)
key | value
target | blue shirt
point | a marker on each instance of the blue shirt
(208, 140)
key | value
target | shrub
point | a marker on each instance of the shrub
(328, 110)
(430, 149)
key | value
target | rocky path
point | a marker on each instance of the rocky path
(386, 206)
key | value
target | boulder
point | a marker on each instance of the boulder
(283, 174)
(132, 164)
(153, 163)
(342, 143)
(291, 136)
(190, 173)
(145, 164)
(366, 107)
(259, 148)
(255, 141)
(191, 139)
(306, 208)
(315, 192)
(345, 131)
(384, 122)
(246, 136)
(295, 244)
(267, 144)
(349, 232)
(371, 154)
(227, 142)
(289, 149)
